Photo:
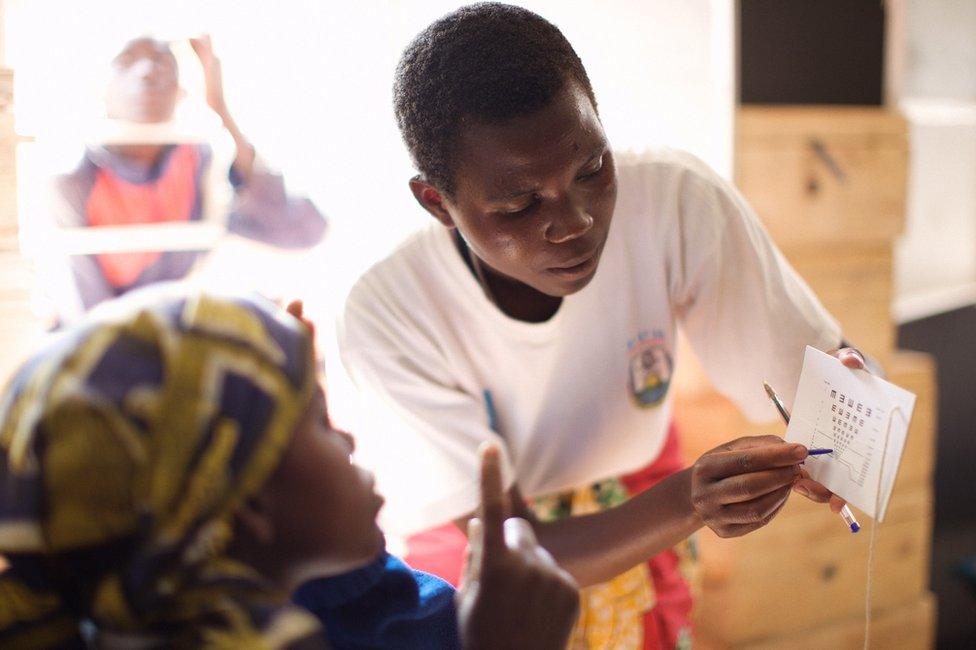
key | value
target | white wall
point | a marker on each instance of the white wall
(940, 56)
(935, 261)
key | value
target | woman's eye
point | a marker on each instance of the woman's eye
(592, 170)
(518, 212)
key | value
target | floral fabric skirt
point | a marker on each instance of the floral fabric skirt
(648, 606)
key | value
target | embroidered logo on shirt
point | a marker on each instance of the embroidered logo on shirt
(649, 368)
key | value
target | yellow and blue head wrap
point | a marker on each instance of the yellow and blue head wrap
(126, 446)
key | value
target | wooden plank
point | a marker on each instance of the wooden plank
(801, 202)
(8, 165)
(6, 88)
(908, 627)
(785, 166)
(20, 328)
(811, 571)
(8, 192)
(762, 123)
(854, 284)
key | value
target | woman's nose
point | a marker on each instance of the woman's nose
(568, 226)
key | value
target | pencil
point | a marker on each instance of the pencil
(777, 401)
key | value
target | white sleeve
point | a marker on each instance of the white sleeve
(747, 313)
(418, 430)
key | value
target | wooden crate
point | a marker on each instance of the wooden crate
(6, 88)
(8, 175)
(20, 329)
(907, 627)
(706, 419)
(785, 162)
(854, 283)
(806, 571)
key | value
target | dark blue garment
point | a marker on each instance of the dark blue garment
(384, 605)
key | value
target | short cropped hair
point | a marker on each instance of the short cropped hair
(489, 62)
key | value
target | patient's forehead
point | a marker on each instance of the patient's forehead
(144, 47)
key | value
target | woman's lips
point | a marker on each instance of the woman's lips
(578, 270)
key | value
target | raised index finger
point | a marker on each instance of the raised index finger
(297, 309)
(723, 464)
(492, 510)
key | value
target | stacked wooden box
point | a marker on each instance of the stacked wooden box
(19, 327)
(8, 147)
(829, 183)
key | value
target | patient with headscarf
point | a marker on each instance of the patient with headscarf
(169, 477)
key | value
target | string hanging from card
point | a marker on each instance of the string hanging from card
(874, 528)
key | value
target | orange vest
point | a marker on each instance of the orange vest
(114, 201)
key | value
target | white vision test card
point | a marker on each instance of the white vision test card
(850, 411)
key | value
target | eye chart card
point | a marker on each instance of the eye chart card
(851, 412)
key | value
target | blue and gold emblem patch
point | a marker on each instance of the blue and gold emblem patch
(649, 368)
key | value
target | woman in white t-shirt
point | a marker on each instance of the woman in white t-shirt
(540, 312)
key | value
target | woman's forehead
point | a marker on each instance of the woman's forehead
(562, 134)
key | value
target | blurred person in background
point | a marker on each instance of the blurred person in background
(146, 168)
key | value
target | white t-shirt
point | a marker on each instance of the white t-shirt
(582, 396)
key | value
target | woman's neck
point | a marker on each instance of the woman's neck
(520, 301)
(516, 299)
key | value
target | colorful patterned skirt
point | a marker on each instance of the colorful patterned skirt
(648, 606)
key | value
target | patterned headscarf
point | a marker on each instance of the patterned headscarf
(126, 447)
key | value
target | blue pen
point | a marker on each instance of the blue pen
(819, 452)
(845, 512)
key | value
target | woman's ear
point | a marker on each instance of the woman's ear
(431, 200)
(255, 519)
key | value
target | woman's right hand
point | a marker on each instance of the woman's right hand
(740, 486)
(513, 595)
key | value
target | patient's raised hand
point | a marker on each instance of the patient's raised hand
(514, 595)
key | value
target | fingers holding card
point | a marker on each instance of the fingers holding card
(863, 418)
